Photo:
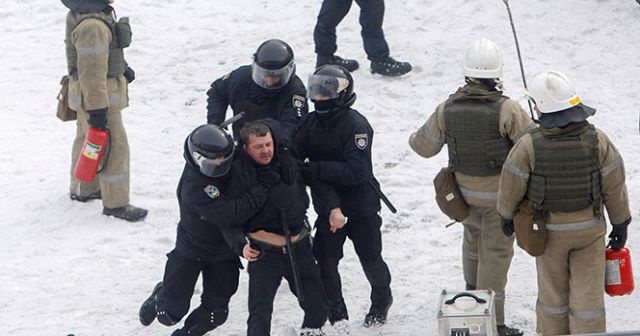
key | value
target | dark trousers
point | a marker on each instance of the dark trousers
(219, 282)
(265, 276)
(367, 240)
(371, 17)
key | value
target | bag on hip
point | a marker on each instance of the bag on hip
(64, 113)
(448, 195)
(530, 236)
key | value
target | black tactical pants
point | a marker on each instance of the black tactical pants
(367, 240)
(219, 282)
(265, 276)
(371, 17)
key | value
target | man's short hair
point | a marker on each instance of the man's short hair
(255, 128)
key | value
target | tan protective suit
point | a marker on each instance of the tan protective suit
(486, 251)
(571, 271)
(94, 90)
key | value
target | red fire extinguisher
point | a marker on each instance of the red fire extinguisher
(91, 154)
(618, 272)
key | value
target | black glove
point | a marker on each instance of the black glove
(618, 235)
(267, 177)
(288, 166)
(129, 74)
(309, 171)
(507, 227)
(98, 118)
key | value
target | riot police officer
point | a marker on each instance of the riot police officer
(268, 88)
(336, 140)
(201, 246)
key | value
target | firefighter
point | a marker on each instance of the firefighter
(268, 88)
(201, 247)
(479, 124)
(568, 170)
(98, 83)
(337, 140)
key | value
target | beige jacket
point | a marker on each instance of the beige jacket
(428, 140)
(521, 162)
(93, 90)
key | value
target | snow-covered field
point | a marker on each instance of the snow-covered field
(67, 269)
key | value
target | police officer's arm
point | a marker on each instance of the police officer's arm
(218, 100)
(514, 120)
(515, 177)
(356, 166)
(229, 213)
(613, 186)
(325, 198)
(428, 140)
(294, 109)
(91, 39)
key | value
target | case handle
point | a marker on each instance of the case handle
(459, 295)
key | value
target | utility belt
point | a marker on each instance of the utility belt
(273, 242)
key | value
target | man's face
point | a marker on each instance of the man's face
(271, 81)
(260, 149)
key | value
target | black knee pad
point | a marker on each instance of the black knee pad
(202, 320)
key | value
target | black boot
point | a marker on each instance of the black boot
(503, 330)
(127, 212)
(94, 196)
(148, 309)
(390, 67)
(338, 312)
(349, 64)
(377, 314)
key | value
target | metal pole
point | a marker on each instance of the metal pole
(515, 37)
(232, 120)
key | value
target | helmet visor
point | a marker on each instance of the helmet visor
(213, 167)
(323, 87)
(272, 79)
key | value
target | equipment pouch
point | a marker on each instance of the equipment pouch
(530, 236)
(64, 113)
(448, 195)
(123, 29)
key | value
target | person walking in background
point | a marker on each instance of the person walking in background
(201, 245)
(479, 124)
(268, 88)
(98, 92)
(375, 45)
(336, 140)
(567, 169)
(278, 234)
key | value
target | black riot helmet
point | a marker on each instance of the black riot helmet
(331, 84)
(273, 65)
(210, 148)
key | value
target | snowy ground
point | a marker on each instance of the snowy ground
(67, 269)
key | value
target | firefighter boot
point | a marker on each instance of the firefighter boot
(127, 212)
(94, 196)
(349, 64)
(390, 67)
(503, 330)
(148, 309)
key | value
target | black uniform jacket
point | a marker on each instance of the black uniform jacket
(290, 198)
(338, 147)
(286, 105)
(205, 209)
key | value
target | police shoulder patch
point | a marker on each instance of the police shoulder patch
(298, 101)
(362, 140)
(212, 191)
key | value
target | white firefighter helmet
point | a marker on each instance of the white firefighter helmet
(482, 60)
(552, 91)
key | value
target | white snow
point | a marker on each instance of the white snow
(67, 269)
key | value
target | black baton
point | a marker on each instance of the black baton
(383, 197)
(292, 258)
(232, 120)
